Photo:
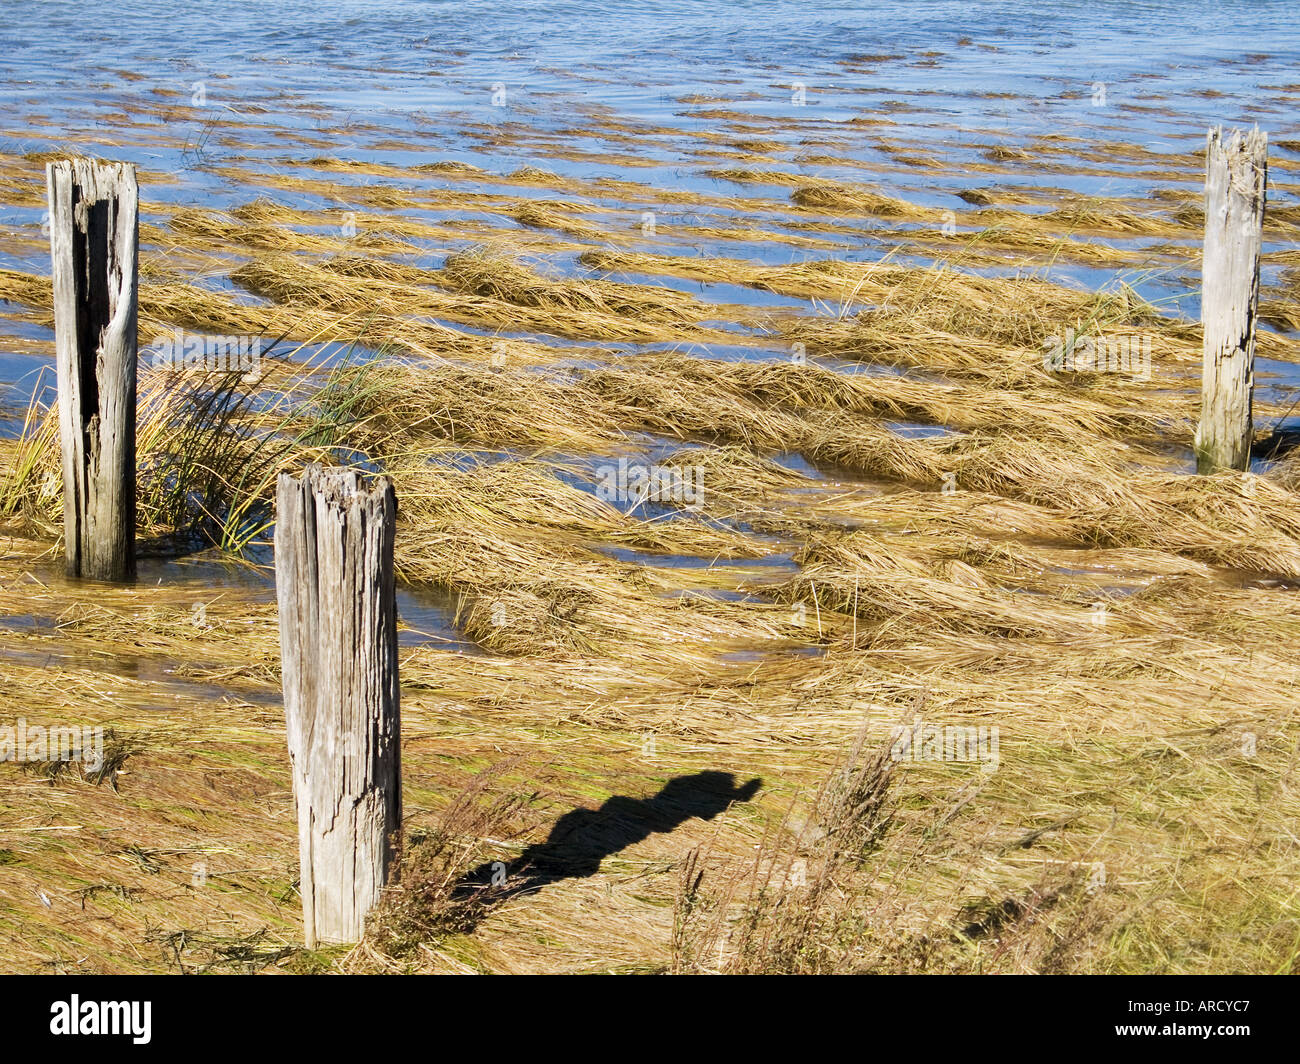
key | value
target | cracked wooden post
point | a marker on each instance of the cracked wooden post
(1236, 176)
(338, 649)
(94, 239)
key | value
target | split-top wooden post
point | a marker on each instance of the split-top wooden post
(94, 240)
(1236, 176)
(338, 647)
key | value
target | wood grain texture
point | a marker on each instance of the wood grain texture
(94, 240)
(1236, 178)
(338, 644)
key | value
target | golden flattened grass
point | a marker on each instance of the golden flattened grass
(1055, 408)
(264, 235)
(1017, 311)
(826, 196)
(1102, 491)
(559, 216)
(516, 545)
(479, 288)
(505, 279)
(618, 646)
(344, 320)
(1280, 304)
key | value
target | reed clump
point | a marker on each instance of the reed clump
(559, 216)
(204, 466)
(828, 196)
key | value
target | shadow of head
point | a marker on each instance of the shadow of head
(704, 795)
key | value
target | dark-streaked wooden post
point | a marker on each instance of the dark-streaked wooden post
(338, 649)
(94, 239)
(1236, 176)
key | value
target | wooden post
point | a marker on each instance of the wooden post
(1236, 175)
(94, 239)
(338, 649)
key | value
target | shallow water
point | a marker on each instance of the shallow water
(846, 91)
(197, 581)
(238, 79)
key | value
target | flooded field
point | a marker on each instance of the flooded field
(758, 388)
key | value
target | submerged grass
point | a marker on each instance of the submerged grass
(670, 719)
(481, 289)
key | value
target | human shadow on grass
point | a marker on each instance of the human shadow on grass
(581, 839)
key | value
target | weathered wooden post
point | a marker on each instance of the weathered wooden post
(338, 648)
(94, 238)
(1236, 176)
